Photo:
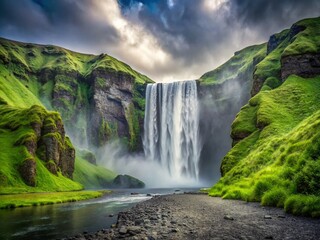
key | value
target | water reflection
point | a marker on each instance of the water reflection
(61, 220)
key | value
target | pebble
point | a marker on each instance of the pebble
(123, 230)
(228, 217)
(267, 217)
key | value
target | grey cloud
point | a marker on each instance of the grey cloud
(65, 22)
(197, 39)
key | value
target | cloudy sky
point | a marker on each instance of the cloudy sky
(164, 39)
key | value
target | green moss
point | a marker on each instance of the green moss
(134, 128)
(308, 40)
(277, 164)
(35, 199)
(92, 176)
(107, 131)
(16, 125)
(240, 63)
(274, 197)
(101, 82)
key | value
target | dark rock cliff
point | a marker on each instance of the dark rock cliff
(219, 104)
(304, 65)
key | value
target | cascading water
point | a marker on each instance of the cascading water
(171, 127)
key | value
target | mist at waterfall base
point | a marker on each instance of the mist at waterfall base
(216, 106)
(171, 140)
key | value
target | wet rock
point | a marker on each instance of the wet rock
(28, 171)
(126, 181)
(123, 230)
(228, 217)
(175, 230)
(268, 237)
(304, 65)
(134, 230)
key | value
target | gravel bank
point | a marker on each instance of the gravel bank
(197, 216)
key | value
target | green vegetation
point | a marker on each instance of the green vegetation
(279, 162)
(308, 40)
(240, 63)
(92, 176)
(62, 80)
(25, 78)
(35, 199)
(132, 116)
(16, 134)
(24, 57)
(276, 158)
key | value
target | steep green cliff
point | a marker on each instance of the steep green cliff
(222, 92)
(276, 154)
(98, 97)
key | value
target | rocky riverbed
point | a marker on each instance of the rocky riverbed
(198, 216)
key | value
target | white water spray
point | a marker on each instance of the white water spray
(171, 128)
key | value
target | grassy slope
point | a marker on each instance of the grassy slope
(27, 63)
(278, 163)
(35, 57)
(92, 176)
(21, 91)
(35, 199)
(15, 129)
(236, 65)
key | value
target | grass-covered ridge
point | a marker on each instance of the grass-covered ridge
(34, 78)
(24, 57)
(69, 82)
(302, 38)
(276, 154)
(279, 162)
(239, 64)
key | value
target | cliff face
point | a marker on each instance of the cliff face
(38, 139)
(222, 93)
(99, 97)
(275, 154)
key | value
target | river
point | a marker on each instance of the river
(68, 219)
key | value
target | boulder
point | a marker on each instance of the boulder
(126, 181)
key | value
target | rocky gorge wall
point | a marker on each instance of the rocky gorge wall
(99, 97)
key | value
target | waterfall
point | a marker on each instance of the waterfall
(171, 127)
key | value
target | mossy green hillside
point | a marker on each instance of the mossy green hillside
(65, 81)
(16, 138)
(278, 161)
(306, 41)
(240, 63)
(302, 38)
(16, 130)
(24, 57)
(36, 199)
(90, 175)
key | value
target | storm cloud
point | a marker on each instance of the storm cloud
(165, 39)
